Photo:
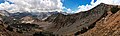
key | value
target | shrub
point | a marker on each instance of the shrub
(115, 9)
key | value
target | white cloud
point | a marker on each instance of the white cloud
(69, 11)
(93, 4)
(32, 5)
(48, 5)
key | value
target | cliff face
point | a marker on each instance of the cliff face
(78, 23)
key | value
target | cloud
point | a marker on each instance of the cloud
(93, 4)
(48, 5)
(32, 5)
(68, 10)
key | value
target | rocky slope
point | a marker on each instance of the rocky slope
(4, 13)
(108, 26)
(80, 22)
(102, 20)
(39, 15)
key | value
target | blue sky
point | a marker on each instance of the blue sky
(1, 1)
(69, 3)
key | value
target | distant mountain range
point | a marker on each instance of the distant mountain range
(4, 13)
(39, 15)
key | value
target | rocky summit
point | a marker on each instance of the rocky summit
(102, 20)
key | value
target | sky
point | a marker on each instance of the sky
(69, 6)
(69, 3)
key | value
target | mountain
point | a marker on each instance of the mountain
(107, 26)
(18, 15)
(39, 15)
(43, 15)
(4, 13)
(79, 22)
(102, 20)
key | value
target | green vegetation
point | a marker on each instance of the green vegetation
(114, 9)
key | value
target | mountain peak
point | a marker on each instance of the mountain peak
(62, 24)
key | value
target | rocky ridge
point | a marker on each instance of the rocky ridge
(102, 19)
(80, 22)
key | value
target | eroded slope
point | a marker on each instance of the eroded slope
(108, 26)
(80, 22)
